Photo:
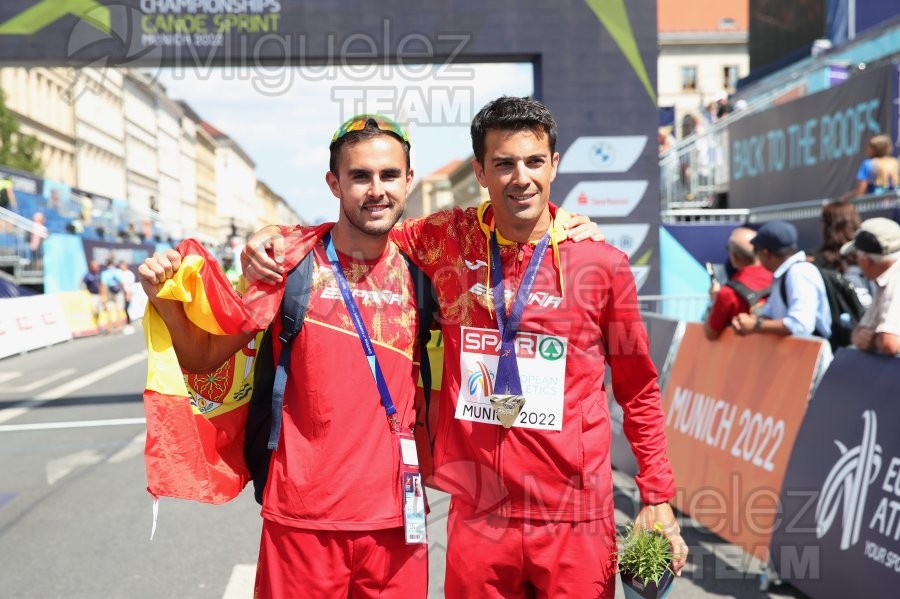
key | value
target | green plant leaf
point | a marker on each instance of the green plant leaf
(645, 553)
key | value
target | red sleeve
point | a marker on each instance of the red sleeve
(636, 388)
(262, 300)
(723, 309)
(428, 240)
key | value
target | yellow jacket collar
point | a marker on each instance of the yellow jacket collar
(558, 233)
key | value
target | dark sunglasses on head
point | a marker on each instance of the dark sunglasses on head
(361, 121)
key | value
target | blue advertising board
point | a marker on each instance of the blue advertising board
(838, 534)
(810, 148)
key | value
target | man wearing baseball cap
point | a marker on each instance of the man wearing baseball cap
(877, 249)
(805, 311)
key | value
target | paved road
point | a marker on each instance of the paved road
(75, 517)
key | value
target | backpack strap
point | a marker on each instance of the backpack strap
(426, 309)
(782, 284)
(293, 311)
(751, 296)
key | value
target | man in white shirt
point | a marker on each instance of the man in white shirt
(805, 310)
(877, 249)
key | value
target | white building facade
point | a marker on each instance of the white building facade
(141, 148)
(100, 132)
(39, 98)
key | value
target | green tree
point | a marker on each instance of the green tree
(17, 150)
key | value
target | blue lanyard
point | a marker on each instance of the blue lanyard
(507, 379)
(361, 331)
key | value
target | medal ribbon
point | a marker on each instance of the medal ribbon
(361, 331)
(507, 378)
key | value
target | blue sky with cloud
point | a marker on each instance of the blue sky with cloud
(284, 118)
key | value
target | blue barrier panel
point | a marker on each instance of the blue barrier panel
(64, 263)
(839, 531)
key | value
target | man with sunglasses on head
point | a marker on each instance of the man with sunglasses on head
(529, 322)
(333, 509)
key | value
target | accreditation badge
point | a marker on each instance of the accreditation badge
(412, 491)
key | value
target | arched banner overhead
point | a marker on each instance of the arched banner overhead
(594, 65)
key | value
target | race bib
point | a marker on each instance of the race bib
(542, 370)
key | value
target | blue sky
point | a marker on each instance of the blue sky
(284, 118)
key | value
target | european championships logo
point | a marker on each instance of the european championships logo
(481, 378)
(847, 484)
(104, 35)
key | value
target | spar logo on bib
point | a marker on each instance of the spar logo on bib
(552, 349)
(487, 342)
(541, 360)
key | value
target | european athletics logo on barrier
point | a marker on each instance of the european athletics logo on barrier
(847, 484)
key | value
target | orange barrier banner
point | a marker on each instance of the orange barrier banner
(733, 408)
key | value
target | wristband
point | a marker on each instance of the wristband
(757, 326)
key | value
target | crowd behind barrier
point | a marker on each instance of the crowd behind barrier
(784, 450)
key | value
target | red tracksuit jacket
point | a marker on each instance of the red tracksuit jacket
(581, 315)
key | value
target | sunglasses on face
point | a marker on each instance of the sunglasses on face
(361, 121)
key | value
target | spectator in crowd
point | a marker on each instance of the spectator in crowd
(877, 250)
(127, 279)
(840, 222)
(132, 235)
(665, 139)
(694, 165)
(113, 298)
(750, 282)
(54, 204)
(92, 282)
(689, 124)
(36, 240)
(879, 172)
(231, 270)
(712, 113)
(806, 311)
(723, 106)
(7, 194)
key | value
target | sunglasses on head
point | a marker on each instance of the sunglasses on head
(361, 121)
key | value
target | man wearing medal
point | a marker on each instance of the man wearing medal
(527, 337)
(530, 320)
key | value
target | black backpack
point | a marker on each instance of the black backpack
(843, 303)
(263, 426)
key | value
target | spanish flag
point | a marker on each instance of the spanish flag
(195, 422)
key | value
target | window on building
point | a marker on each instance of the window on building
(730, 77)
(689, 78)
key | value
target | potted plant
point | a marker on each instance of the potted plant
(644, 560)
